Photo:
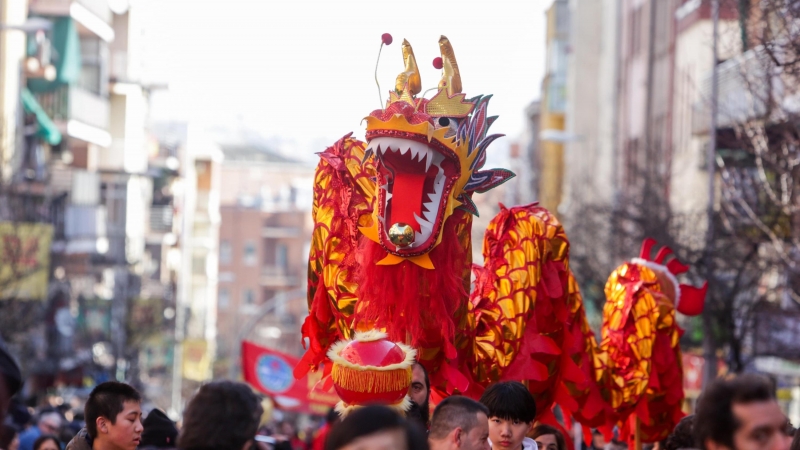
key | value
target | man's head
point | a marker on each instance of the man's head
(682, 436)
(114, 416)
(222, 415)
(459, 423)
(420, 390)
(49, 422)
(740, 414)
(374, 427)
(512, 409)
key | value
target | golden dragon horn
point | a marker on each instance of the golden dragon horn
(451, 77)
(409, 79)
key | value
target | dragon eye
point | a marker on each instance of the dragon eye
(447, 122)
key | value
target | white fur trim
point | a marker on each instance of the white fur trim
(369, 336)
(344, 409)
(663, 270)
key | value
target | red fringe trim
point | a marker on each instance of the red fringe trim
(415, 305)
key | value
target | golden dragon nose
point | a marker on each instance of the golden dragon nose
(401, 235)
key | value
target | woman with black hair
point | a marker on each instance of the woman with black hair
(47, 442)
(548, 438)
(376, 427)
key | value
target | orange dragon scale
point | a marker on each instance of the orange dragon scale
(391, 251)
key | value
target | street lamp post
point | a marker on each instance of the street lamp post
(263, 309)
(709, 349)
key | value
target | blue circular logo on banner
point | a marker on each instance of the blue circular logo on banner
(274, 373)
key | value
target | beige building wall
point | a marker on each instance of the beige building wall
(591, 97)
(693, 64)
(12, 54)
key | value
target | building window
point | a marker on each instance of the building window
(224, 298)
(282, 255)
(225, 253)
(199, 265)
(250, 258)
(248, 297)
(94, 52)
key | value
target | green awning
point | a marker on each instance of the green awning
(66, 55)
(47, 129)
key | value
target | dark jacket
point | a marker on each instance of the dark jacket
(81, 441)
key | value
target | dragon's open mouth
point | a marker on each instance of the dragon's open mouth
(415, 181)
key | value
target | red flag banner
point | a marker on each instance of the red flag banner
(270, 372)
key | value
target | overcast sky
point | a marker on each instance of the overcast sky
(302, 72)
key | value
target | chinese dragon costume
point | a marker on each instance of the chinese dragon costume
(391, 253)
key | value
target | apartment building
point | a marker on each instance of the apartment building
(264, 243)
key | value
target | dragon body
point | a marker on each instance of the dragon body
(391, 250)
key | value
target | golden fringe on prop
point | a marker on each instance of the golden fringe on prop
(359, 380)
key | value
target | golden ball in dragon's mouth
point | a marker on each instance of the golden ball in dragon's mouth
(401, 235)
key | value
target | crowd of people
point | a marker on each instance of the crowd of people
(739, 413)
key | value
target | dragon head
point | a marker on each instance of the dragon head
(688, 300)
(428, 153)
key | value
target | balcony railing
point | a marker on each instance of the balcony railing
(161, 218)
(73, 103)
(744, 88)
(278, 276)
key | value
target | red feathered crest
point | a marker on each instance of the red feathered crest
(689, 300)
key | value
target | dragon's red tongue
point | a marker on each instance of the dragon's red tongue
(407, 199)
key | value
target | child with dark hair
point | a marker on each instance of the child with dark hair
(512, 409)
(113, 416)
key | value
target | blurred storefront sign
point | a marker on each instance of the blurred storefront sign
(270, 372)
(693, 368)
(25, 253)
(196, 360)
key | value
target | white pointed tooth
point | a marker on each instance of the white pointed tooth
(404, 149)
(385, 186)
(424, 225)
(437, 159)
(430, 206)
(429, 215)
(388, 196)
(414, 152)
(428, 161)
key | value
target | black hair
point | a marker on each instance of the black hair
(454, 412)
(509, 400)
(422, 412)
(222, 415)
(427, 379)
(332, 416)
(682, 436)
(7, 433)
(107, 400)
(542, 429)
(795, 441)
(44, 438)
(373, 419)
(714, 419)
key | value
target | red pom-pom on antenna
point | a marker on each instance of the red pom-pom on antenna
(437, 63)
(386, 38)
